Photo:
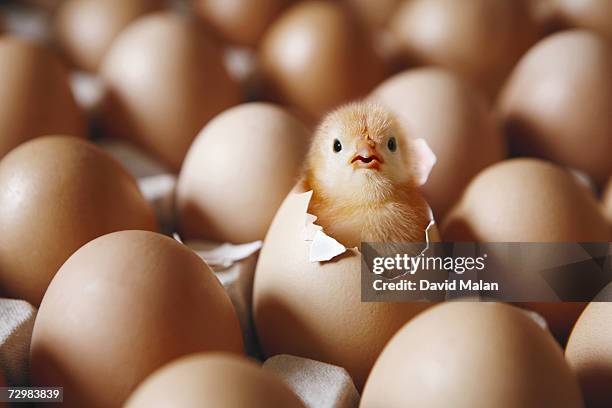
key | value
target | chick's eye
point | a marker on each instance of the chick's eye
(337, 145)
(392, 144)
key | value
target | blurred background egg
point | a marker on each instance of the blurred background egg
(607, 200)
(35, 96)
(241, 22)
(315, 57)
(479, 39)
(131, 301)
(238, 171)
(558, 103)
(374, 14)
(314, 309)
(166, 80)
(595, 15)
(213, 380)
(56, 194)
(473, 354)
(529, 200)
(85, 29)
(589, 351)
(454, 119)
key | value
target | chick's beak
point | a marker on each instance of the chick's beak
(366, 156)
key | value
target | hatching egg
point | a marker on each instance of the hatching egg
(241, 22)
(589, 351)
(35, 96)
(238, 171)
(122, 306)
(529, 200)
(166, 79)
(456, 122)
(469, 354)
(314, 309)
(479, 39)
(563, 114)
(85, 29)
(591, 14)
(56, 194)
(316, 57)
(213, 380)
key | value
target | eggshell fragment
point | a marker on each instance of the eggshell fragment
(479, 39)
(314, 309)
(121, 307)
(563, 114)
(456, 122)
(589, 352)
(595, 15)
(56, 194)
(241, 22)
(238, 171)
(528, 200)
(469, 354)
(316, 57)
(85, 29)
(36, 98)
(213, 380)
(166, 80)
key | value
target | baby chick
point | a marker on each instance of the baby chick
(365, 174)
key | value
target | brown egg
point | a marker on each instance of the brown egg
(56, 194)
(238, 171)
(122, 306)
(456, 122)
(85, 29)
(563, 114)
(607, 200)
(242, 22)
(374, 14)
(595, 15)
(213, 380)
(166, 80)
(528, 200)
(316, 57)
(314, 309)
(479, 39)
(589, 352)
(469, 354)
(36, 98)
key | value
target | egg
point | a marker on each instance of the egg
(166, 79)
(314, 309)
(36, 98)
(595, 15)
(122, 306)
(316, 57)
(454, 119)
(56, 194)
(528, 200)
(469, 354)
(241, 22)
(213, 380)
(479, 39)
(238, 171)
(374, 14)
(607, 200)
(563, 114)
(85, 29)
(589, 352)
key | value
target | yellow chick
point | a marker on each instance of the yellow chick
(365, 177)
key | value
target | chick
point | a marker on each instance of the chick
(365, 174)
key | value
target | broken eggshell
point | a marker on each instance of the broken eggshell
(314, 309)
